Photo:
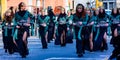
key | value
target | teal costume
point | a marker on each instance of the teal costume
(79, 32)
(88, 29)
(114, 21)
(115, 41)
(70, 32)
(100, 31)
(7, 33)
(21, 18)
(51, 28)
(43, 29)
(62, 27)
(25, 18)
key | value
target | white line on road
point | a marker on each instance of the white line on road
(64, 58)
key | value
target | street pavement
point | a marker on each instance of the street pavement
(54, 52)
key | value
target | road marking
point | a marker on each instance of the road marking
(64, 58)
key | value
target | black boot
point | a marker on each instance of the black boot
(5, 50)
(91, 50)
(106, 46)
(10, 51)
(27, 52)
(45, 47)
(80, 55)
(102, 49)
(111, 57)
(118, 57)
(23, 56)
(63, 45)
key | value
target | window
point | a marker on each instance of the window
(111, 5)
(108, 0)
(29, 2)
(105, 5)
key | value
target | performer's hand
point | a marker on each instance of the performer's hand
(106, 24)
(80, 23)
(44, 25)
(27, 24)
(6, 23)
(74, 23)
(17, 26)
(118, 24)
(0, 22)
(97, 26)
(37, 28)
(91, 23)
(68, 28)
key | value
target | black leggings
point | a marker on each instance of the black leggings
(79, 43)
(22, 48)
(61, 29)
(51, 29)
(42, 34)
(8, 41)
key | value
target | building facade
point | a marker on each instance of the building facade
(31, 4)
(109, 4)
(118, 3)
(40, 3)
(84, 2)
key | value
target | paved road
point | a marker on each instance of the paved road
(54, 52)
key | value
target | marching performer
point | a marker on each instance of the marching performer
(115, 27)
(62, 27)
(96, 31)
(43, 22)
(8, 30)
(79, 19)
(89, 30)
(69, 38)
(22, 22)
(103, 23)
(51, 26)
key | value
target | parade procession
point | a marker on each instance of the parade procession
(84, 27)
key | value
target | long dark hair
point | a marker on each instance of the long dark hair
(12, 11)
(101, 15)
(82, 14)
(113, 14)
(62, 14)
(50, 14)
(94, 12)
(88, 9)
(8, 18)
(21, 4)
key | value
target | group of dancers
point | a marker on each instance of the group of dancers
(89, 27)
